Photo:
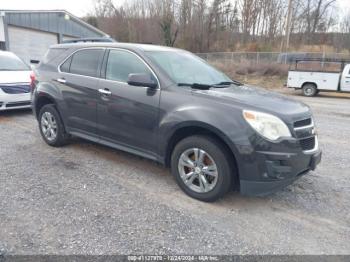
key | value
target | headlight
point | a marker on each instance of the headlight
(269, 126)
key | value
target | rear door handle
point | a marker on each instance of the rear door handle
(61, 80)
(105, 92)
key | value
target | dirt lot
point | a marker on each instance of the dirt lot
(89, 199)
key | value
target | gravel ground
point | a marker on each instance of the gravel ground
(89, 199)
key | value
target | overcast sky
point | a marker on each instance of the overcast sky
(82, 7)
(76, 7)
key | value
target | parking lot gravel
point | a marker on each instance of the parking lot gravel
(89, 199)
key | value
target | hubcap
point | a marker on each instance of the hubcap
(49, 126)
(308, 91)
(198, 170)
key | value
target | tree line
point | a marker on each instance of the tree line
(223, 25)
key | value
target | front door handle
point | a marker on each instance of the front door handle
(105, 92)
(61, 80)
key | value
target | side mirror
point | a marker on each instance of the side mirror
(142, 80)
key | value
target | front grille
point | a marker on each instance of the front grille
(304, 131)
(16, 89)
(308, 143)
(15, 104)
(301, 123)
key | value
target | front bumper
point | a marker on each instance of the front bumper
(14, 101)
(265, 167)
(281, 171)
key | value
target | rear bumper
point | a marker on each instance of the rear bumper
(14, 101)
(280, 171)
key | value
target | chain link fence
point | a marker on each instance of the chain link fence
(237, 58)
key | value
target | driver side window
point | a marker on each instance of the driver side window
(122, 63)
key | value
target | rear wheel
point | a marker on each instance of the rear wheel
(51, 126)
(201, 168)
(310, 90)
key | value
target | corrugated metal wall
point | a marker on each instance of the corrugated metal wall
(54, 22)
(30, 33)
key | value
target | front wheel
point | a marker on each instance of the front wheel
(201, 168)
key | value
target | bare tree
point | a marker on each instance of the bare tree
(345, 29)
(216, 25)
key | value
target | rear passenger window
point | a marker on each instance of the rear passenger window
(86, 62)
(121, 63)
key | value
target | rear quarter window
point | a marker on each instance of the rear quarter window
(65, 67)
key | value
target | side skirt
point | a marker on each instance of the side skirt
(115, 146)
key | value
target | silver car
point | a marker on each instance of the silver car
(15, 82)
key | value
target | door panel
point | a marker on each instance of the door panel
(80, 97)
(345, 82)
(129, 115)
(79, 85)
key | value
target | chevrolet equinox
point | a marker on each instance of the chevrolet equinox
(170, 106)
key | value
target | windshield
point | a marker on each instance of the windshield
(9, 62)
(184, 67)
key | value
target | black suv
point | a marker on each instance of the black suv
(169, 105)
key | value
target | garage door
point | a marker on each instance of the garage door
(30, 44)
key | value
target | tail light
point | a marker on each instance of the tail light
(32, 80)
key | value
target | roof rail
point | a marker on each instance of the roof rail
(89, 40)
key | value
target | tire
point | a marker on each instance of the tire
(50, 118)
(310, 90)
(214, 153)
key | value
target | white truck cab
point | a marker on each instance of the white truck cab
(315, 75)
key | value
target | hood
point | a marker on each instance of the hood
(11, 77)
(258, 99)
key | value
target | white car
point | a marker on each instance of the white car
(15, 82)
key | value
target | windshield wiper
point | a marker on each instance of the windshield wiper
(206, 86)
(196, 86)
(233, 82)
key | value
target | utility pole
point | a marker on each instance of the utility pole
(289, 21)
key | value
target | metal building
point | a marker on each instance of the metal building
(29, 33)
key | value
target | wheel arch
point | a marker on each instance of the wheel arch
(198, 128)
(309, 83)
(42, 100)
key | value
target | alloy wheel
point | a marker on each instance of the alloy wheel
(49, 126)
(198, 170)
